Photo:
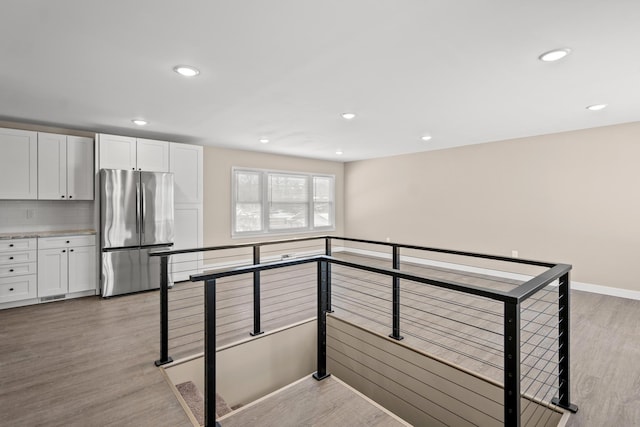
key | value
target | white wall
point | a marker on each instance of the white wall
(570, 197)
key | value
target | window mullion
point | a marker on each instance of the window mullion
(266, 202)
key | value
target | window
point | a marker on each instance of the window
(267, 202)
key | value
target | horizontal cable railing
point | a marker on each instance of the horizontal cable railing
(512, 327)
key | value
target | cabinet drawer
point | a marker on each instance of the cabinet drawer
(17, 245)
(17, 257)
(11, 270)
(66, 241)
(18, 288)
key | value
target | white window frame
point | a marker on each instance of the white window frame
(265, 204)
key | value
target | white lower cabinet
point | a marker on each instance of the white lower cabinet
(53, 272)
(17, 288)
(82, 269)
(66, 265)
(17, 270)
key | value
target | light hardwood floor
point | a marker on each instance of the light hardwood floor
(89, 362)
(334, 404)
(84, 362)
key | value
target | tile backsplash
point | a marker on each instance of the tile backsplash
(45, 215)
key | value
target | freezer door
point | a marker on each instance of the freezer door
(150, 269)
(119, 208)
(157, 208)
(130, 270)
(120, 272)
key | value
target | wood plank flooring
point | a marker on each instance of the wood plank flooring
(90, 361)
(313, 403)
(85, 362)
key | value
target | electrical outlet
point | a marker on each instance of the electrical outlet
(514, 254)
(30, 213)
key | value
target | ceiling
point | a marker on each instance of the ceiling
(463, 71)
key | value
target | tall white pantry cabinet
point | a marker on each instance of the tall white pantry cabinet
(186, 163)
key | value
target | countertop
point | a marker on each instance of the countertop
(55, 233)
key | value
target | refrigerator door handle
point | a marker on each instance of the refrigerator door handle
(138, 209)
(143, 216)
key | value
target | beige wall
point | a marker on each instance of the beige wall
(217, 186)
(571, 197)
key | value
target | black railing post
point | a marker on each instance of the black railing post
(564, 398)
(512, 364)
(257, 330)
(396, 296)
(210, 353)
(327, 252)
(321, 373)
(164, 312)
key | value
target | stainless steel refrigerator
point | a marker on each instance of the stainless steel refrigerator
(136, 215)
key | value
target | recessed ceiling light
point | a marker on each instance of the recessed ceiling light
(597, 107)
(139, 122)
(426, 137)
(264, 140)
(348, 116)
(186, 70)
(554, 55)
(339, 152)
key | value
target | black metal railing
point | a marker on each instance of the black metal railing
(511, 300)
(182, 306)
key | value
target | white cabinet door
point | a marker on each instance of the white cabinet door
(18, 164)
(52, 166)
(186, 165)
(117, 152)
(188, 234)
(79, 168)
(52, 272)
(17, 288)
(152, 156)
(82, 269)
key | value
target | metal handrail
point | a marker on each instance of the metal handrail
(511, 324)
(511, 301)
(525, 261)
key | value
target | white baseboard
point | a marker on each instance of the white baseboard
(578, 286)
(605, 290)
(442, 264)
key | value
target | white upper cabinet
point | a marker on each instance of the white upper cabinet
(18, 164)
(80, 168)
(186, 165)
(122, 152)
(153, 156)
(52, 166)
(65, 167)
(117, 152)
